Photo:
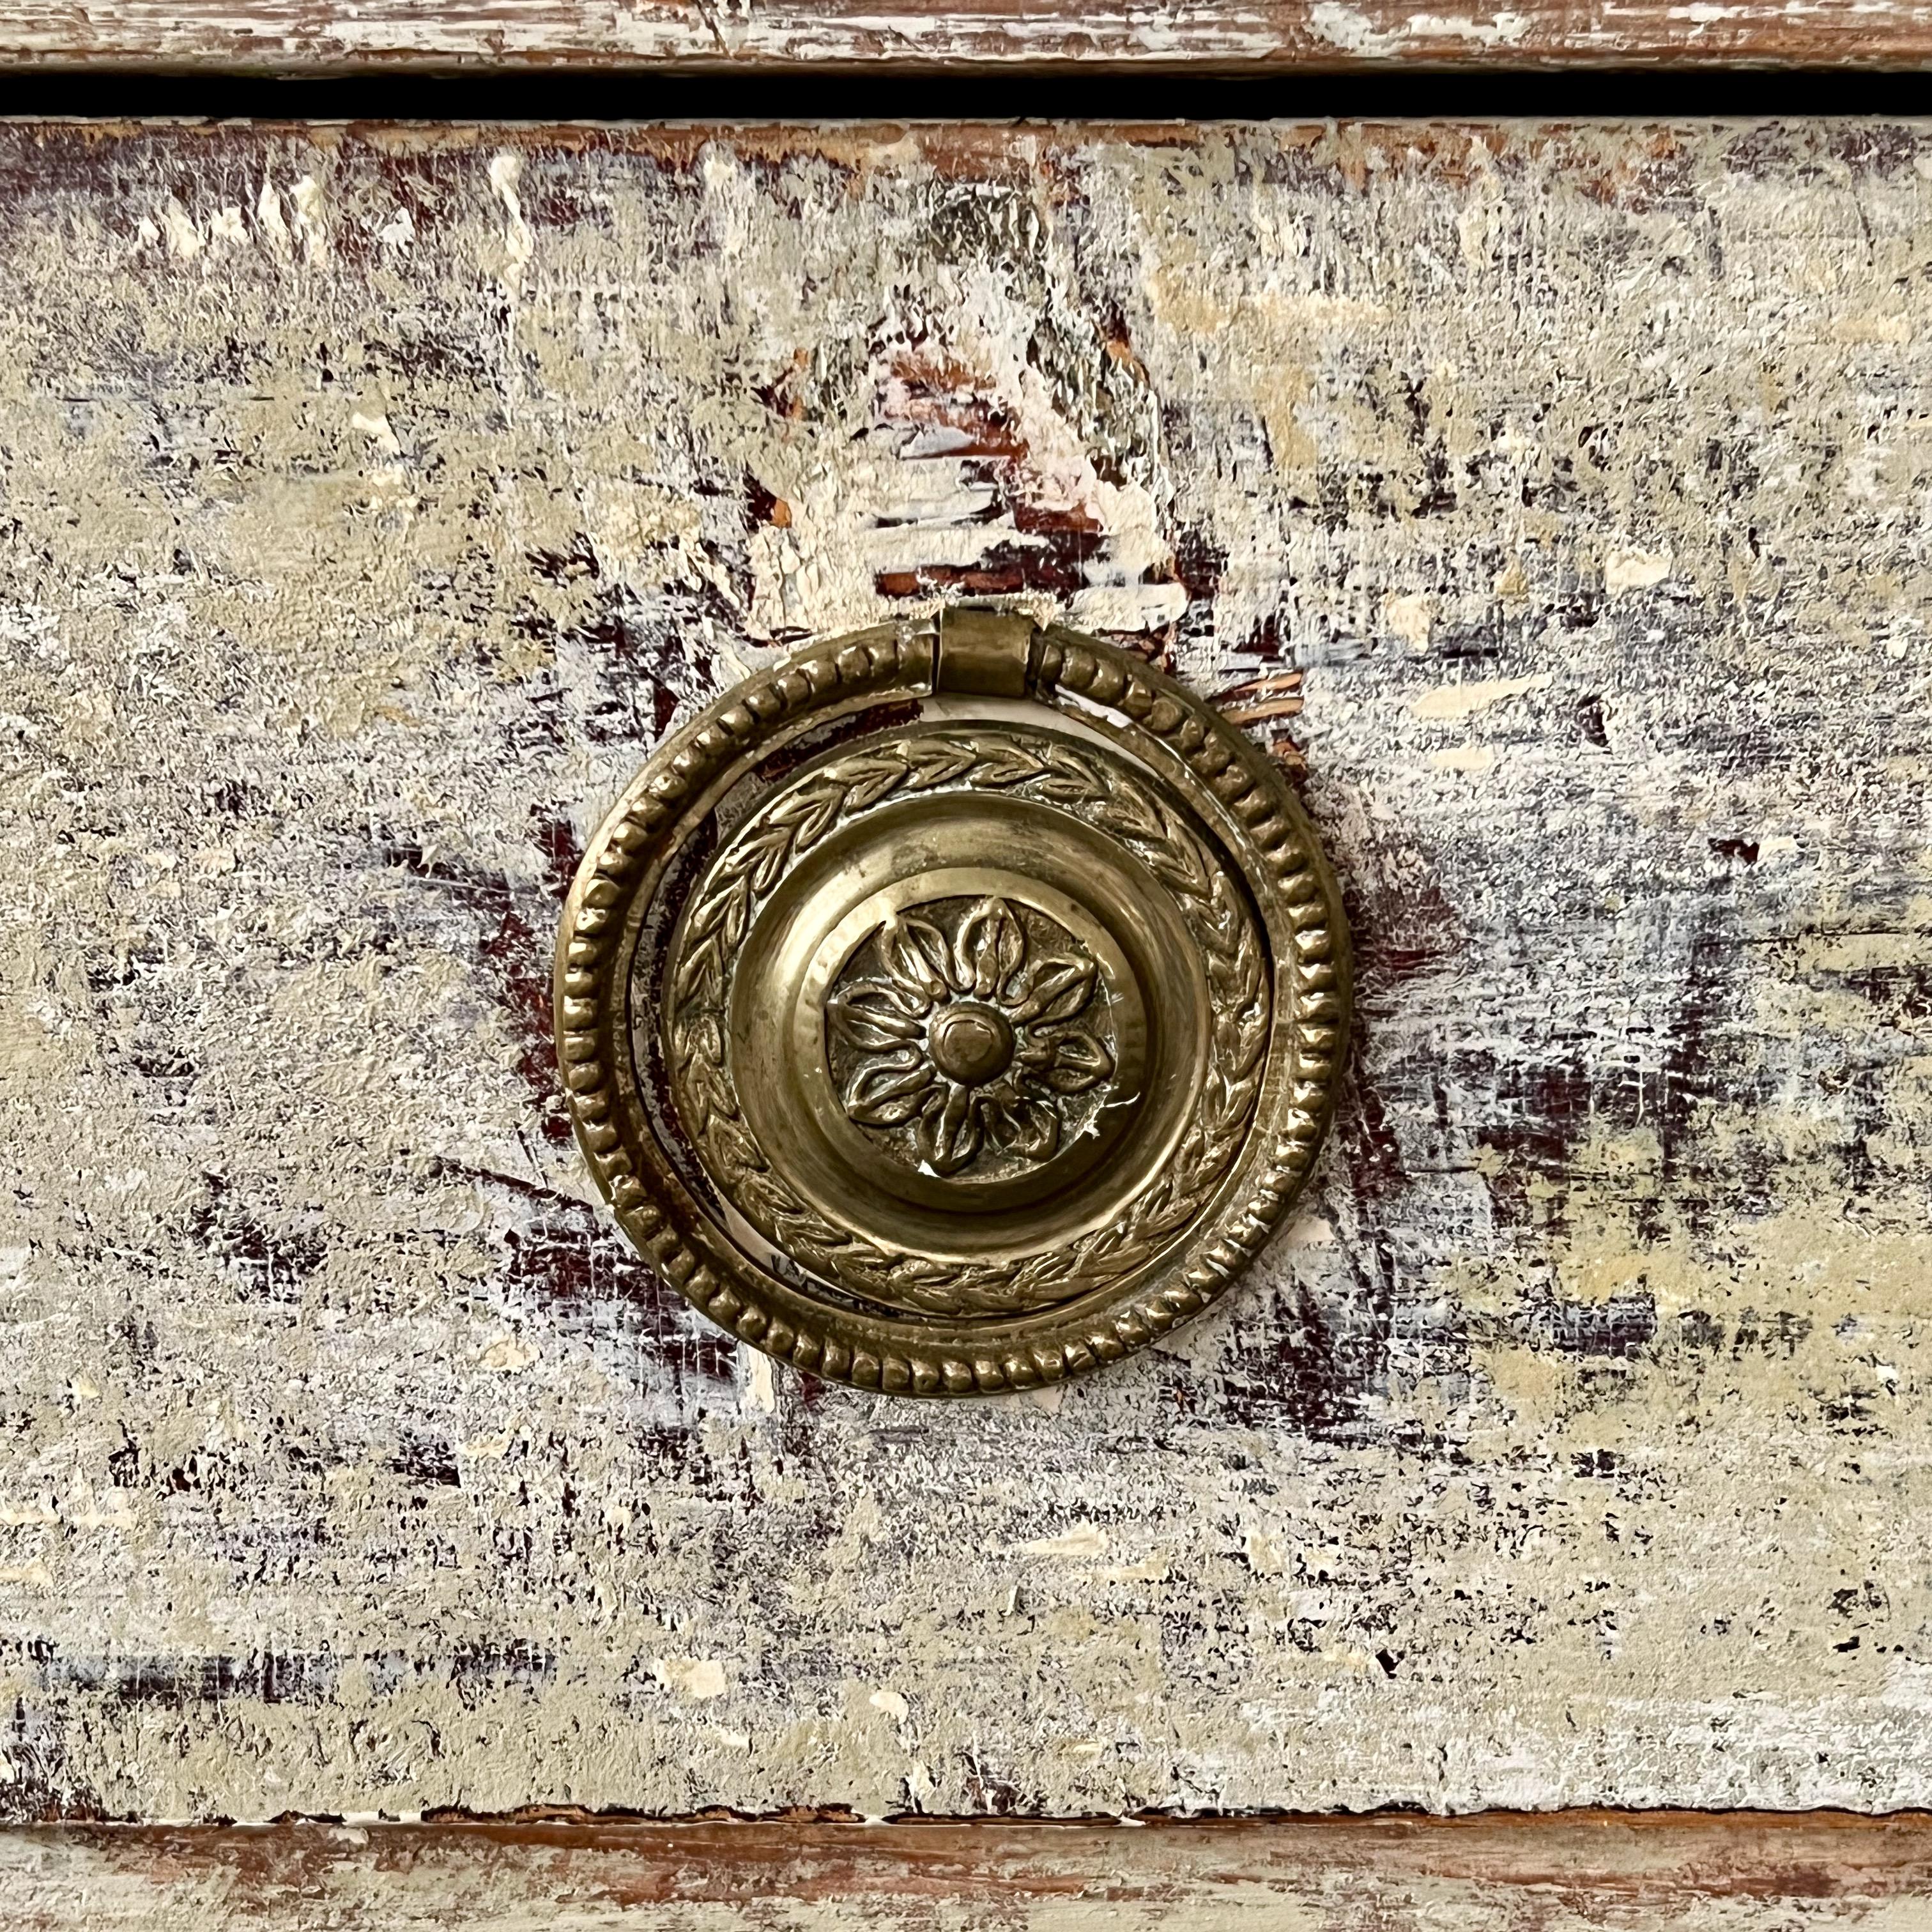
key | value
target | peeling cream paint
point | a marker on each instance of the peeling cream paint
(1353, 31)
(1471, 759)
(1410, 615)
(1454, 701)
(1626, 570)
(1086, 1539)
(1502, 29)
(695, 1677)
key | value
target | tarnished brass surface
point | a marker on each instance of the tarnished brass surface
(954, 1008)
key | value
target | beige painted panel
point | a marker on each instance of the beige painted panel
(1553, 501)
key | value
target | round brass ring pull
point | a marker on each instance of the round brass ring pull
(955, 1007)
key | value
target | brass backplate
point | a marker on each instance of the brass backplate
(955, 1007)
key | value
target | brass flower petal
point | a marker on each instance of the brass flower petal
(999, 1019)
(879, 1013)
(919, 959)
(888, 1092)
(990, 949)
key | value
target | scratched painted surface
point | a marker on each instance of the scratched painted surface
(1555, 501)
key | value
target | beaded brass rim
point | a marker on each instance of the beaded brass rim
(954, 1008)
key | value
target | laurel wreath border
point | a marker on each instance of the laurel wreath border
(1312, 1000)
(740, 882)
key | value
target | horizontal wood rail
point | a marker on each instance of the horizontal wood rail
(1576, 1869)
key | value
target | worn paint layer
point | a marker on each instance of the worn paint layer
(1554, 502)
(1317, 35)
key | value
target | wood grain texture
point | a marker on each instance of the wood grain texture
(1579, 1873)
(1311, 35)
(1552, 501)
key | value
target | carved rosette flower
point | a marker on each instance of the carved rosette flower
(968, 1039)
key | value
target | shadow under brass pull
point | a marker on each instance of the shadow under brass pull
(954, 1007)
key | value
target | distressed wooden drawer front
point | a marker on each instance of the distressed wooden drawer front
(1549, 502)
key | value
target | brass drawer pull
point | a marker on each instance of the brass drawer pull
(955, 1007)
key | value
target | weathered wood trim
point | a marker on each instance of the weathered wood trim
(1577, 1869)
(1315, 36)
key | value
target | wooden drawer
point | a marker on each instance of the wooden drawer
(1550, 500)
